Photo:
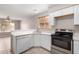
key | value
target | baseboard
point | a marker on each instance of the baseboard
(46, 49)
(36, 47)
(42, 48)
(26, 50)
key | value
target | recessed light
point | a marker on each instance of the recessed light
(36, 11)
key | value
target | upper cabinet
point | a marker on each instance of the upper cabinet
(63, 12)
(51, 20)
(76, 15)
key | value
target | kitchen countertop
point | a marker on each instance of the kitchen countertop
(43, 33)
(22, 32)
(26, 32)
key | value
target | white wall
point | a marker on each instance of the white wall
(28, 23)
(24, 24)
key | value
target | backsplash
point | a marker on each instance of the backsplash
(76, 28)
(64, 30)
(65, 22)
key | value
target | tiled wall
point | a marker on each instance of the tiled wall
(76, 28)
(65, 22)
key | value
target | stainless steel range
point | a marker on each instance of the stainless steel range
(62, 40)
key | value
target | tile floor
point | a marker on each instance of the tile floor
(42, 51)
(37, 51)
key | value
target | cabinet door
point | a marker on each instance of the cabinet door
(46, 41)
(51, 19)
(76, 15)
(67, 11)
(23, 43)
(76, 47)
(37, 40)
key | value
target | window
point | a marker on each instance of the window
(43, 23)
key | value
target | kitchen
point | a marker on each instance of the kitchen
(35, 31)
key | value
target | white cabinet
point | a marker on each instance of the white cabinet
(42, 40)
(76, 46)
(51, 19)
(46, 41)
(36, 40)
(23, 43)
(62, 12)
(65, 11)
(76, 15)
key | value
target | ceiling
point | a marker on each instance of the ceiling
(21, 10)
(27, 10)
(55, 7)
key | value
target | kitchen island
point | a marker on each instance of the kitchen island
(24, 40)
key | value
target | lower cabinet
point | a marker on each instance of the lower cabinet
(37, 40)
(43, 40)
(76, 47)
(46, 41)
(24, 43)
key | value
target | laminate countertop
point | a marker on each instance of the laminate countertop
(26, 32)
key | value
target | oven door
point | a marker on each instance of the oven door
(61, 44)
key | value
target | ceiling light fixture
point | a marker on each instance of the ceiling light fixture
(36, 11)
